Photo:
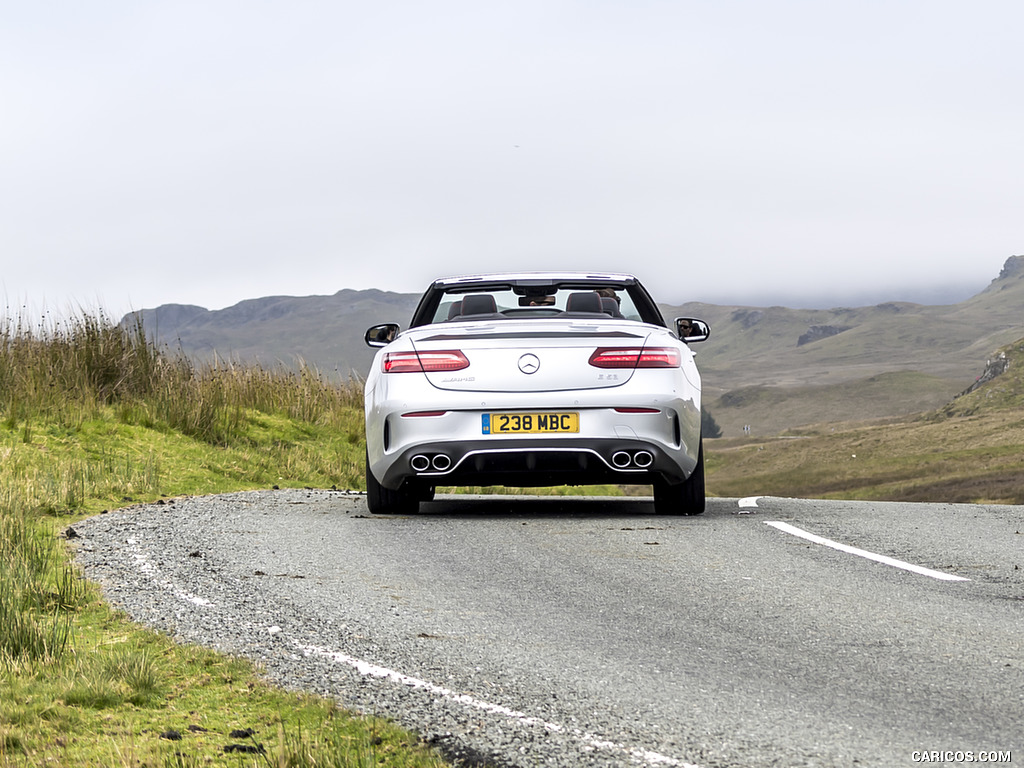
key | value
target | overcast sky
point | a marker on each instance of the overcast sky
(731, 151)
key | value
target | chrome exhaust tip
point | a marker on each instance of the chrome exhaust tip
(441, 462)
(621, 459)
(419, 463)
(643, 459)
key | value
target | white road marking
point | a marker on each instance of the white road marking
(146, 566)
(587, 740)
(792, 529)
(365, 668)
(749, 502)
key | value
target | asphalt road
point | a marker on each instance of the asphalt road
(592, 632)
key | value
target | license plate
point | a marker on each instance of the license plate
(529, 423)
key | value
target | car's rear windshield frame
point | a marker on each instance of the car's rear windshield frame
(427, 308)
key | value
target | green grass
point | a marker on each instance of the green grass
(126, 697)
(93, 417)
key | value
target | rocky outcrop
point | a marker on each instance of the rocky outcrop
(819, 332)
(748, 318)
(995, 367)
(1013, 267)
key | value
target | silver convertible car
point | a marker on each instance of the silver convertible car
(534, 379)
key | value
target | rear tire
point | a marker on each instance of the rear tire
(685, 498)
(384, 501)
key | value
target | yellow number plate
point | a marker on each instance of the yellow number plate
(529, 423)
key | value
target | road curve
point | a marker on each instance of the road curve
(529, 631)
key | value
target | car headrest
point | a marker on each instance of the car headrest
(588, 301)
(610, 306)
(479, 304)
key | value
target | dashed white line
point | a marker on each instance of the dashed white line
(587, 740)
(885, 560)
(146, 566)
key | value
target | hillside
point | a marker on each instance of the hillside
(777, 368)
(773, 368)
(967, 451)
(325, 332)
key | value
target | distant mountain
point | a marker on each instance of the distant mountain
(325, 332)
(770, 367)
(800, 366)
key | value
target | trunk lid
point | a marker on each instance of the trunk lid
(529, 356)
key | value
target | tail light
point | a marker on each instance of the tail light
(424, 362)
(635, 357)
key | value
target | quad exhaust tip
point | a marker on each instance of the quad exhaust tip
(637, 460)
(439, 462)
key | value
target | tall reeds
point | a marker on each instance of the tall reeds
(62, 373)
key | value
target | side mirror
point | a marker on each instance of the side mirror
(690, 329)
(381, 335)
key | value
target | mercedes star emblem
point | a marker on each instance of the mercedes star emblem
(529, 363)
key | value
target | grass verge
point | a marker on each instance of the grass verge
(92, 417)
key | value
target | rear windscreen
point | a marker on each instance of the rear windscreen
(498, 303)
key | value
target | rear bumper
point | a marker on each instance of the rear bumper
(406, 419)
(530, 462)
